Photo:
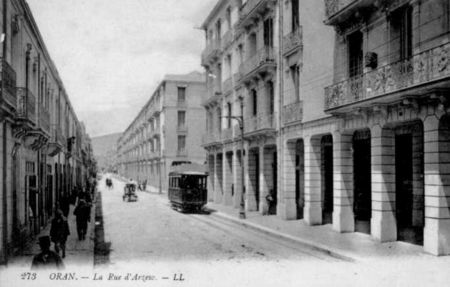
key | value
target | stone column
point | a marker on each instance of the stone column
(227, 178)
(383, 222)
(263, 185)
(313, 192)
(437, 186)
(237, 178)
(211, 165)
(218, 179)
(287, 208)
(343, 217)
(250, 181)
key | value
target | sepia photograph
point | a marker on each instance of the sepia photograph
(224, 143)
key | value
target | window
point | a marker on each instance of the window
(402, 28)
(181, 119)
(219, 119)
(295, 76)
(181, 143)
(268, 32)
(218, 30)
(228, 17)
(355, 50)
(271, 94)
(229, 109)
(295, 15)
(181, 95)
(254, 96)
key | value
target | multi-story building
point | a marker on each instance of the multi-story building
(40, 147)
(168, 130)
(362, 126)
(241, 59)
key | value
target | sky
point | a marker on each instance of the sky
(111, 54)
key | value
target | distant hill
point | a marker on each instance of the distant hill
(104, 148)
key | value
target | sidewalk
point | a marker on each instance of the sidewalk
(78, 253)
(350, 246)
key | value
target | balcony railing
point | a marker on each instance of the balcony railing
(332, 7)
(8, 84)
(262, 57)
(293, 112)
(44, 119)
(211, 137)
(211, 50)
(182, 128)
(227, 85)
(424, 67)
(227, 134)
(251, 9)
(182, 152)
(227, 39)
(253, 124)
(26, 105)
(292, 41)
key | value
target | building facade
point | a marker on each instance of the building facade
(359, 138)
(44, 148)
(168, 130)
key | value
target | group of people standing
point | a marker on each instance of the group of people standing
(60, 231)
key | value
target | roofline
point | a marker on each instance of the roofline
(213, 13)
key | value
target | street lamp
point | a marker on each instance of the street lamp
(240, 120)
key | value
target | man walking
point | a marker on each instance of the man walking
(83, 215)
(59, 232)
(47, 259)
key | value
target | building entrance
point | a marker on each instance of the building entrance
(327, 179)
(299, 180)
(404, 197)
(362, 203)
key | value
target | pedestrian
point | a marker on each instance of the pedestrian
(64, 205)
(59, 231)
(46, 259)
(83, 215)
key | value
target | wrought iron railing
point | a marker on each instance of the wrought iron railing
(44, 118)
(211, 137)
(263, 56)
(226, 39)
(26, 105)
(8, 84)
(227, 134)
(332, 7)
(293, 40)
(293, 112)
(427, 66)
(227, 85)
(210, 50)
(248, 8)
(253, 124)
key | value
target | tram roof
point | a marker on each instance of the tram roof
(189, 169)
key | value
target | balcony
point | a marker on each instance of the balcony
(227, 86)
(56, 142)
(292, 41)
(340, 11)
(182, 128)
(26, 105)
(44, 119)
(227, 134)
(211, 138)
(211, 53)
(182, 153)
(8, 85)
(252, 10)
(260, 124)
(227, 39)
(263, 61)
(293, 113)
(425, 71)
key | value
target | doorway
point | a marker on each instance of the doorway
(299, 179)
(327, 179)
(404, 197)
(362, 203)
